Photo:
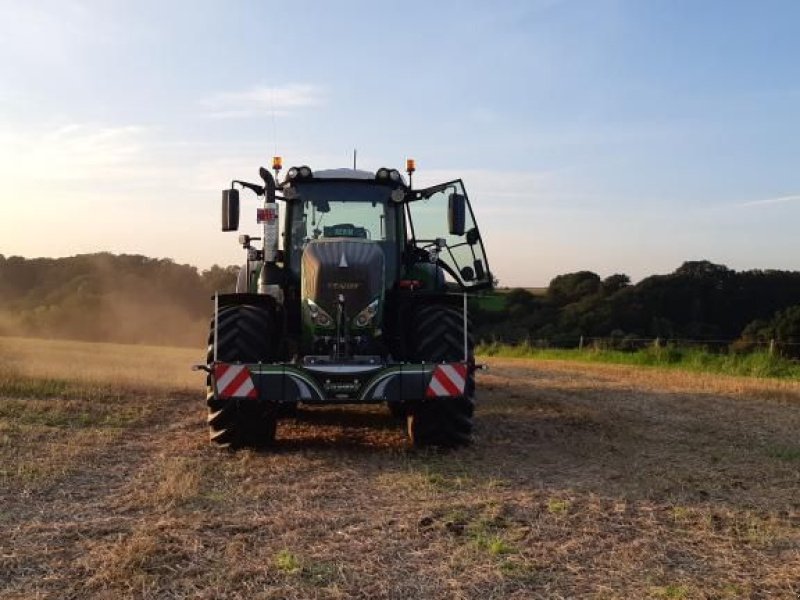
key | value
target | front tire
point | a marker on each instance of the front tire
(247, 334)
(445, 422)
(438, 336)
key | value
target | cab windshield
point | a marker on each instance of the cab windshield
(342, 209)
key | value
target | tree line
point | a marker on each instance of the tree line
(700, 300)
(137, 299)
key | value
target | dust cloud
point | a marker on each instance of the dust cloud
(109, 298)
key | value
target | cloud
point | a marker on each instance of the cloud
(91, 163)
(770, 201)
(263, 100)
(70, 152)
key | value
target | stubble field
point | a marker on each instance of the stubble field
(584, 481)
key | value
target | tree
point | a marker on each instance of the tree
(520, 300)
(220, 279)
(614, 283)
(702, 269)
(569, 288)
(785, 327)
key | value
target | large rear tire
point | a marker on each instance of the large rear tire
(438, 336)
(245, 334)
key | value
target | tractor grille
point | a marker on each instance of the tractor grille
(353, 268)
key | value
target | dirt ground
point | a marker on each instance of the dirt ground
(584, 481)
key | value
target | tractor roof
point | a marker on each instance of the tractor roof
(343, 174)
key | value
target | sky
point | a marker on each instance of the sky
(611, 136)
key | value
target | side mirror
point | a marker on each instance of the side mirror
(230, 210)
(456, 214)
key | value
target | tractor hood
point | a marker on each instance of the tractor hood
(352, 268)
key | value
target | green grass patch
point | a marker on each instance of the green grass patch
(755, 364)
(447, 482)
(493, 544)
(787, 453)
(489, 532)
(680, 513)
(317, 574)
(287, 562)
(438, 471)
(557, 507)
(498, 547)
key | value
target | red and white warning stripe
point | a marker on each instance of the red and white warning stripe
(448, 380)
(234, 381)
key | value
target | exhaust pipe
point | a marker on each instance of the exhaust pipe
(269, 279)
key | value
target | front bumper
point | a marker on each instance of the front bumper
(340, 383)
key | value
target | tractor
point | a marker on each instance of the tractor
(355, 293)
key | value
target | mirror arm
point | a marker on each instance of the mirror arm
(259, 190)
(428, 192)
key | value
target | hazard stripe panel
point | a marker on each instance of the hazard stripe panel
(448, 380)
(234, 381)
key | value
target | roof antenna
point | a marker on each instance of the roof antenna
(274, 122)
(354, 159)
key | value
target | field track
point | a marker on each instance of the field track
(584, 481)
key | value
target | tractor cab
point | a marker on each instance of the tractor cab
(354, 239)
(434, 225)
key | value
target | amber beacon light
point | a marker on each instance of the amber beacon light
(411, 166)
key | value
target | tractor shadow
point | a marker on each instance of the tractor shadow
(358, 430)
(662, 446)
(376, 417)
(542, 433)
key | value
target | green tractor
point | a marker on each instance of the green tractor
(358, 295)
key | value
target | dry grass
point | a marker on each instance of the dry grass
(599, 481)
(150, 367)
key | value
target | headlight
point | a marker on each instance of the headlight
(318, 316)
(364, 318)
(383, 173)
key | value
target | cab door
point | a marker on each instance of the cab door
(460, 253)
